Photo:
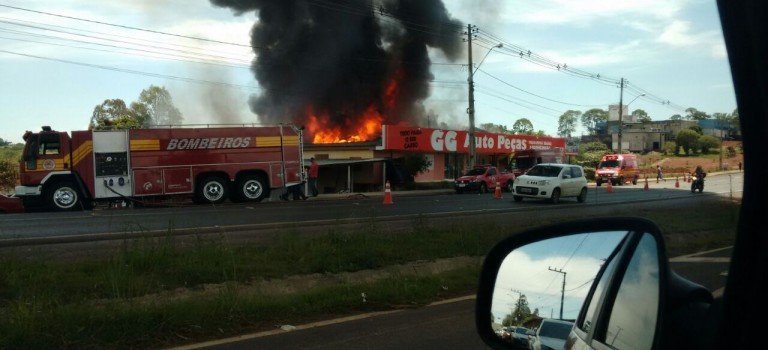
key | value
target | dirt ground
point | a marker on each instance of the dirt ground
(672, 166)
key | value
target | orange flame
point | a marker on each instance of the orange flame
(358, 128)
(364, 128)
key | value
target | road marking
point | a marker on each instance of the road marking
(695, 258)
(219, 342)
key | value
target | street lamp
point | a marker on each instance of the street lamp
(621, 116)
(471, 109)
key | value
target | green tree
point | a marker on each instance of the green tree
(9, 174)
(687, 138)
(707, 142)
(591, 117)
(695, 114)
(159, 108)
(590, 154)
(415, 164)
(496, 128)
(697, 129)
(670, 147)
(522, 126)
(4, 142)
(108, 112)
(676, 117)
(521, 311)
(641, 116)
(566, 125)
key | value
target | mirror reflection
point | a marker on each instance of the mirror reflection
(541, 287)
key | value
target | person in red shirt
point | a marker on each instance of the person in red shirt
(313, 172)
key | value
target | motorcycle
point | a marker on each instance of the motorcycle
(697, 183)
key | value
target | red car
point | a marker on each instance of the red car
(10, 204)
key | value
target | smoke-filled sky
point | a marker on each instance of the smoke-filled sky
(59, 59)
(341, 60)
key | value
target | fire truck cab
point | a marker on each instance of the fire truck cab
(212, 164)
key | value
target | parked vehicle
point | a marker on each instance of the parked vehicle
(521, 336)
(551, 334)
(212, 164)
(521, 161)
(552, 182)
(483, 178)
(618, 169)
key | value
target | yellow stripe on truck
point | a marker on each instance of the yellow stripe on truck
(274, 141)
(145, 145)
(81, 152)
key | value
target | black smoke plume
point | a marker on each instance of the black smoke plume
(338, 58)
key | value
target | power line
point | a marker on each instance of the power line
(539, 96)
(122, 26)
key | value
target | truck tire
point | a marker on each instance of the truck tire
(212, 190)
(483, 188)
(598, 183)
(509, 186)
(634, 180)
(63, 196)
(250, 188)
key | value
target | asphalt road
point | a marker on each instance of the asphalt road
(448, 326)
(328, 209)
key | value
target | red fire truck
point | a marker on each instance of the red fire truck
(211, 164)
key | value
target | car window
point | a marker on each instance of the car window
(576, 172)
(609, 164)
(555, 330)
(632, 322)
(545, 171)
(492, 172)
(593, 300)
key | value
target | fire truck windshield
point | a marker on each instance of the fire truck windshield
(609, 164)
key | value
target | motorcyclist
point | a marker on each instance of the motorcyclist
(699, 172)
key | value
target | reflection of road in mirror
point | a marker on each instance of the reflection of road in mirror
(549, 278)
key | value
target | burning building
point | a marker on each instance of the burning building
(344, 68)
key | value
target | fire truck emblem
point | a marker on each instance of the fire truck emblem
(49, 164)
(147, 186)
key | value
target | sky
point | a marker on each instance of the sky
(528, 271)
(59, 59)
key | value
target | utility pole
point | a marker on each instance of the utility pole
(471, 109)
(562, 293)
(621, 111)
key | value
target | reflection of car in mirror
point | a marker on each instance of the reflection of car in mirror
(551, 334)
(551, 181)
(621, 287)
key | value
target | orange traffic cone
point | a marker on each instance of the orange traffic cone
(387, 194)
(646, 184)
(677, 183)
(497, 194)
(609, 189)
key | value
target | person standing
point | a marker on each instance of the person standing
(659, 176)
(314, 169)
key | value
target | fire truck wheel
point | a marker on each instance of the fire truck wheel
(63, 196)
(250, 188)
(212, 189)
(483, 188)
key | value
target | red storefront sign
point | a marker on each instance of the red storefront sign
(439, 140)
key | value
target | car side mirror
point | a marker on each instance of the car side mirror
(606, 280)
